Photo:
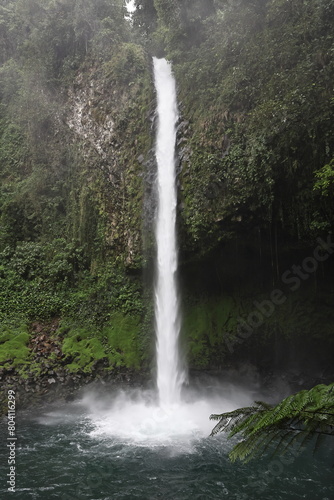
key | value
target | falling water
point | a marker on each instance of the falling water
(169, 373)
(133, 416)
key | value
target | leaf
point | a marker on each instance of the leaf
(296, 419)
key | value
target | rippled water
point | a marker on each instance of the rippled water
(89, 451)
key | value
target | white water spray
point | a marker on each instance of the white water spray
(169, 373)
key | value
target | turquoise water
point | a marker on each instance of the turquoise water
(66, 453)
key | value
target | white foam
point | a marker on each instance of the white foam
(133, 418)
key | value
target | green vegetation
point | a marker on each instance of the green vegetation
(325, 179)
(13, 345)
(72, 189)
(255, 175)
(296, 421)
(207, 324)
(254, 83)
(117, 343)
(35, 287)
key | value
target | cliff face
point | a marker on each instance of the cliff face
(75, 154)
(255, 175)
(76, 117)
(254, 89)
(106, 122)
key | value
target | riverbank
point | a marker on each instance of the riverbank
(46, 373)
(58, 384)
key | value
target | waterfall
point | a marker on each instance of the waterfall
(134, 416)
(167, 315)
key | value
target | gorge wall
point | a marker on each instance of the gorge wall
(255, 170)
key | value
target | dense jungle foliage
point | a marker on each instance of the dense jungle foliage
(255, 83)
(70, 212)
(256, 174)
(256, 166)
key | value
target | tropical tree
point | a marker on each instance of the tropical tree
(297, 420)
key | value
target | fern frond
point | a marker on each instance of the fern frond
(295, 420)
